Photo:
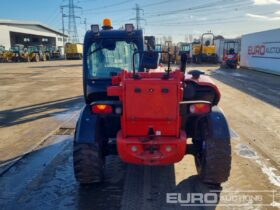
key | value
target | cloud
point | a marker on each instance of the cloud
(256, 16)
(263, 17)
(266, 2)
(277, 13)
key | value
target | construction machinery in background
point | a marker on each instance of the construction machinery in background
(37, 53)
(150, 43)
(158, 47)
(230, 54)
(204, 50)
(48, 51)
(172, 50)
(3, 53)
(184, 55)
(17, 53)
(73, 51)
(52, 52)
(186, 48)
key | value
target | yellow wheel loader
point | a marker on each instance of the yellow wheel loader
(18, 53)
(2, 54)
(37, 53)
(205, 49)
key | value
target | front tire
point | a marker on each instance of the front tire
(213, 158)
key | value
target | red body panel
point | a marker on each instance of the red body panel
(151, 107)
(151, 102)
(143, 155)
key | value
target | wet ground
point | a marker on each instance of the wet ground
(39, 107)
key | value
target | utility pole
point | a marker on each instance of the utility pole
(138, 16)
(85, 22)
(63, 29)
(72, 27)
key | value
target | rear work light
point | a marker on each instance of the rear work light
(129, 27)
(95, 28)
(102, 109)
(200, 108)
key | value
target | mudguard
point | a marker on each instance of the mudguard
(86, 127)
(203, 80)
(218, 126)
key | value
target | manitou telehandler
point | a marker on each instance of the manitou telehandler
(146, 116)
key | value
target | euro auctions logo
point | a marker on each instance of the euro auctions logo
(265, 50)
(254, 199)
(256, 50)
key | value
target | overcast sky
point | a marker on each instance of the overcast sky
(176, 18)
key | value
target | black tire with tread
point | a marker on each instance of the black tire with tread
(214, 163)
(88, 166)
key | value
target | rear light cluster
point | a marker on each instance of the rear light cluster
(200, 108)
(106, 109)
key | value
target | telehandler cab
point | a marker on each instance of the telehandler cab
(146, 117)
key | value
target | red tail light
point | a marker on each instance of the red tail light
(102, 109)
(200, 108)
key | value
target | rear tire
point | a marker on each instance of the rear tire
(88, 165)
(213, 159)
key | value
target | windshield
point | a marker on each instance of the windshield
(186, 48)
(104, 63)
(32, 49)
(14, 49)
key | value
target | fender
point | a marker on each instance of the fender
(218, 126)
(205, 81)
(86, 127)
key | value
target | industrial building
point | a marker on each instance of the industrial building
(29, 33)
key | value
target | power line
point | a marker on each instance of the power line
(217, 7)
(208, 5)
(207, 22)
(109, 6)
(155, 3)
(169, 20)
(82, 1)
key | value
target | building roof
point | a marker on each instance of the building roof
(30, 24)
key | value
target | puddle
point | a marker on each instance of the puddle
(233, 134)
(237, 74)
(246, 151)
(270, 172)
